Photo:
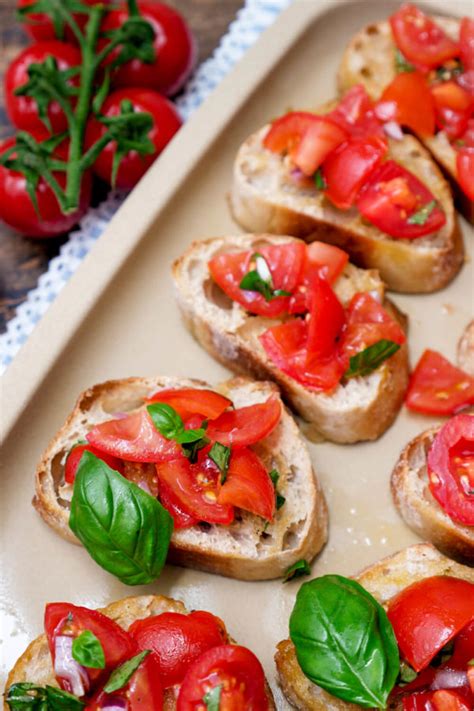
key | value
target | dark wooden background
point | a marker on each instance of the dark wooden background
(23, 260)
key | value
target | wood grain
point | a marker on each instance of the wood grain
(23, 260)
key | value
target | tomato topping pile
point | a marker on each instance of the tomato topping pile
(439, 388)
(420, 39)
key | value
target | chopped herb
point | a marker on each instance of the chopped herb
(446, 73)
(297, 570)
(319, 180)
(279, 499)
(470, 663)
(260, 280)
(406, 675)
(420, 217)
(402, 64)
(220, 455)
(122, 674)
(88, 651)
(213, 698)
(170, 424)
(370, 358)
(30, 697)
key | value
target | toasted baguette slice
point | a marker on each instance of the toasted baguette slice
(248, 548)
(383, 580)
(361, 409)
(418, 507)
(369, 59)
(35, 666)
(465, 352)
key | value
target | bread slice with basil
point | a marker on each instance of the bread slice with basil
(360, 409)
(249, 548)
(383, 580)
(35, 665)
(465, 353)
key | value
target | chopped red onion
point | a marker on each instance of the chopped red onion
(66, 667)
(376, 295)
(449, 679)
(385, 110)
(114, 703)
(393, 130)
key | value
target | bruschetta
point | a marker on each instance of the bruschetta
(302, 315)
(144, 652)
(152, 469)
(398, 636)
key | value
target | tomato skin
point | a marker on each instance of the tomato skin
(239, 672)
(248, 485)
(450, 481)
(465, 170)
(437, 387)
(322, 260)
(453, 108)
(177, 640)
(142, 693)
(409, 102)
(17, 210)
(174, 45)
(74, 458)
(441, 700)
(317, 142)
(355, 114)
(286, 132)
(420, 39)
(426, 615)
(166, 122)
(23, 110)
(41, 27)
(181, 518)
(246, 425)
(466, 41)
(192, 401)
(379, 203)
(326, 319)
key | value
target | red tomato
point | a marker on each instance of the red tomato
(172, 504)
(286, 132)
(437, 387)
(453, 108)
(142, 692)
(326, 320)
(133, 438)
(177, 640)
(420, 39)
(324, 260)
(40, 26)
(17, 210)
(246, 425)
(465, 170)
(194, 489)
(23, 110)
(442, 700)
(191, 401)
(349, 166)
(355, 114)
(317, 142)
(238, 672)
(451, 469)
(383, 203)
(248, 485)
(409, 102)
(166, 122)
(174, 45)
(74, 457)
(466, 41)
(426, 615)
(285, 262)
(62, 619)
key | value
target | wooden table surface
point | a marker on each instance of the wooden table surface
(23, 260)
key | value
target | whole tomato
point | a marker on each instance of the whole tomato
(17, 209)
(40, 26)
(174, 45)
(23, 110)
(166, 122)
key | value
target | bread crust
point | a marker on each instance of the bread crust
(383, 580)
(225, 336)
(197, 547)
(35, 666)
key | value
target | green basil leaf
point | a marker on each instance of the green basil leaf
(402, 64)
(31, 697)
(190, 436)
(122, 675)
(166, 420)
(470, 663)
(88, 651)
(319, 180)
(260, 279)
(279, 499)
(59, 700)
(191, 449)
(297, 570)
(420, 217)
(124, 529)
(370, 358)
(213, 698)
(344, 641)
(220, 455)
(406, 674)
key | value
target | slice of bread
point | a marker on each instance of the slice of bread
(383, 580)
(265, 198)
(360, 409)
(249, 548)
(369, 59)
(418, 507)
(465, 354)
(35, 665)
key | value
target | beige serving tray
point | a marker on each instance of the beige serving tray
(116, 317)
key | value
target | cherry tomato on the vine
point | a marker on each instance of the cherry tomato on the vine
(40, 26)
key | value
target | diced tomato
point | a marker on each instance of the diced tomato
(453, 107)
(439, 388)
(465, 170)
(382, 203)
(408, 101)
(133, 438)
(177, 640)
(449, 700)
(74, 457)
(466, 42)
(285, 133)
(420, 39)
(317, 142)
(355, 114)
(331, 260)
(451, 469)
(470, 676)
(246, 425)
(426, 615)
(236, 670)
(248, 485)
(285, 263)
(326, 320)
(172, 504)
(349, 166)
(191, 401)
(142, 692)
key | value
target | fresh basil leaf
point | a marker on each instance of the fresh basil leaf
(402, 64)
(344, 641)
(260, 280)
(122, 675)
(406, 674)
(190, 436)
(319, 180)
(213, 698)
(279, 499)
(368, 360)
(220, 455)
(470, 663)
(297, 570)
(59, 700)
(166, 420)
(31, 697)
(420, 217)
(191, 449)
(124, 529)
(88, 651)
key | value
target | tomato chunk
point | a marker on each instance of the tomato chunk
(317, 142)
(420, 39)
(409, 102)
(191, 401)
(326, 320)
(331, 260)
(285, 133)
(437, 387)
(453, 106)
(74, 457)
(465, 170)
(174, 506)
(466, 40)
(355, 114)
(248, 485)
(142, 692)
(246, 425)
